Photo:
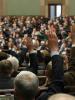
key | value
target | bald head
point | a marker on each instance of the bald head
(61, 97)
(26, 83)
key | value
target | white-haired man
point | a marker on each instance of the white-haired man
(61, 96)
(26, 86)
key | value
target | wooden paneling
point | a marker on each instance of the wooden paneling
(1, 7)
(56, 1)
(42, 7)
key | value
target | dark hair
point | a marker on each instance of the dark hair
(3, 56)
(5, 67)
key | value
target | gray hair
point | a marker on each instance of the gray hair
(61, 96)
(5, 67)
(14, 61)
(26, 84)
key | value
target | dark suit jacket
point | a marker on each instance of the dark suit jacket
(33, 62)
(72, 58)
(57, 84)
(69, 75)
(6, 82)
(22, 55)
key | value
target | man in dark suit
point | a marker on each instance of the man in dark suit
(61, 96)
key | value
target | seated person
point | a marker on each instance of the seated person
(6, 82)
(15, 64)
(7, 67)
(3, 55)
(26, 86)
(61, 96)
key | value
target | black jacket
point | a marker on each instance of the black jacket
(6, 82)
(57, 84)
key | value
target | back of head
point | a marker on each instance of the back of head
(26, 85)
(3, 56)
(5, 67)
(61, 96)
(14, 61)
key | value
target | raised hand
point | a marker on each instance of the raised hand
(52, 41)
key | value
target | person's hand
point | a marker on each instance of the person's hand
(28, 43)
(52, 41)
(73, 34)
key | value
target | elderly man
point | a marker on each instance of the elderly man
(61, 96)
(26, 86)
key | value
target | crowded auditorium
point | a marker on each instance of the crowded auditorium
(37, 43)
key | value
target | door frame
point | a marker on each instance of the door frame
(55, 9)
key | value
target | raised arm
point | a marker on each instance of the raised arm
(57, 62)
(57, 84)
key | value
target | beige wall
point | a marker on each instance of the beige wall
(39, 7)
(20, 7)
(71, 7)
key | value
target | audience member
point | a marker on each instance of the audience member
(61, 97)
(26, 86)
(6, 81)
